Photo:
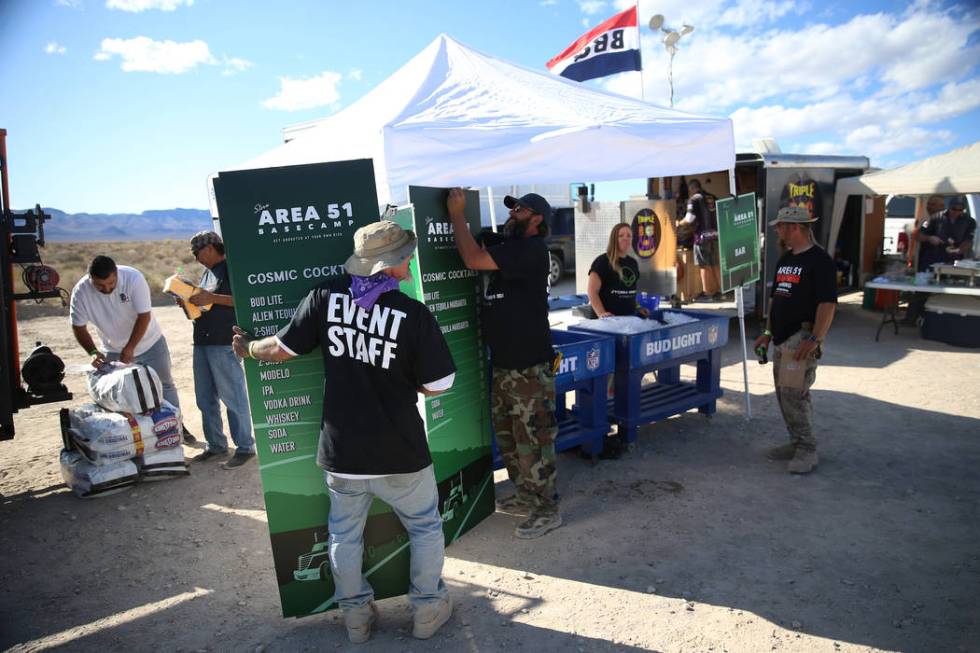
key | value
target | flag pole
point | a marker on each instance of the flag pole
(639, 43)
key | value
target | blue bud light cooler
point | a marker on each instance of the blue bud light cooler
(663, 348)
(953, 319)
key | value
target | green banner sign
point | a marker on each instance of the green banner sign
(286, 230)
(738, 241)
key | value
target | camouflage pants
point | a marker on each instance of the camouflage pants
(795, 402)
(523, 407)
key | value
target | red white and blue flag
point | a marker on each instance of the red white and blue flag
(611, 47)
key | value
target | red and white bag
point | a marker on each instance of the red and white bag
(104, 437)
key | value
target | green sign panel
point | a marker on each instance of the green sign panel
(457, 421)
(738, 241)
(286, 230)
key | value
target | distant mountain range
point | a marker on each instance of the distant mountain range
(167, 224)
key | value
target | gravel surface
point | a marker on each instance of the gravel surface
(692, 541)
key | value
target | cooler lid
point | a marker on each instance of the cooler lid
(954, 304)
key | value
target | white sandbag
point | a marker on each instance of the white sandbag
(126, 388)
(104, 437)
(88, 480)
(162, 463)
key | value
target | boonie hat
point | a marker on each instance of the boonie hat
(532, 201)
(379, 245)
(202, 239)
(793, 215)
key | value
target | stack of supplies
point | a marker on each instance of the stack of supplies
(130, 434)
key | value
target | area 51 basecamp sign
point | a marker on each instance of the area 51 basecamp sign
(287, 230)
(738, 241)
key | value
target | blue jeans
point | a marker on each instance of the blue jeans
(218, 375)
(415, 500)
(157, 357)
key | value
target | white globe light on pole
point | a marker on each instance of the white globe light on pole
(671, 37)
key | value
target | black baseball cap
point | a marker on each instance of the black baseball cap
(532, 201)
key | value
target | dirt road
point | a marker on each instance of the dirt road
(692, 542)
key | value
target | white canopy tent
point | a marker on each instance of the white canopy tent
(453, 116)
(953, 173)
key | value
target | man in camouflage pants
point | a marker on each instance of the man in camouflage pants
(514, 316)
(801, 310)
(523, 406)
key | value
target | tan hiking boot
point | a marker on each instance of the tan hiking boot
(515, 504)
(803, 462)
(429, 618)
(782, 452)
(538, 524)
(359, 622)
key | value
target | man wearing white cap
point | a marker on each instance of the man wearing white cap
(801, 309)
(380, 348)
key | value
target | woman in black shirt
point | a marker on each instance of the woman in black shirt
(613, 276)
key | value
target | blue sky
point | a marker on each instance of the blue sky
(127, 105)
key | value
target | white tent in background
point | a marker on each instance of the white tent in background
(453, 116)
(953, 173)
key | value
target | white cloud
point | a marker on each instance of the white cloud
(299, 94)
(755, 12)
(356, 74)
(233, 65)
(142, 54)
(54, 47)
(591, 7)
(880, 52)
(870, 84)
(548, 3)
(136, 6)
(71, 4)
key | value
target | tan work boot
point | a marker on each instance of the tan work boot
(538, 524)
(430, 617)
(782, 452)
(803, 462)
(515, 504)
(359, 622)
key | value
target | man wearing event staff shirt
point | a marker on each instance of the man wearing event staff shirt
(801, 309)
(380, 348)
(514, 317)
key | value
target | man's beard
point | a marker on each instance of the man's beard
(515, 228)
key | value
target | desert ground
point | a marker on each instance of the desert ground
(692, 541)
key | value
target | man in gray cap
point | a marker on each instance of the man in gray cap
(380, 349)
(801, 309)
(218, 373)
(514, 316)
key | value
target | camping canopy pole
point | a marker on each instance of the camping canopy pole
(740, 303)
(493, 211)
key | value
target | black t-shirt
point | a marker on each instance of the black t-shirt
(214, 326)
(801, 282)
(374, 362)
(940, 225)
(706, 220)
(618, 291)
(515, 304)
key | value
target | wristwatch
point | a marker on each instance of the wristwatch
(813, 338)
